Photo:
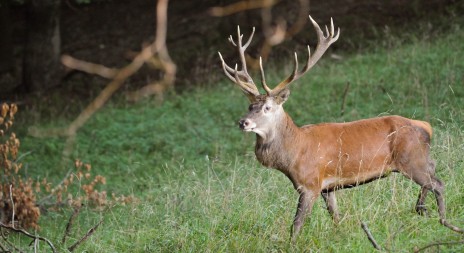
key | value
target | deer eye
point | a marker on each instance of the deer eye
(267, 108)
(250, 107)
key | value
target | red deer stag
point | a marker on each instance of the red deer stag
(322, 158)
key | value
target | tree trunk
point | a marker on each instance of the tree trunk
(41, 65)
(6, 49)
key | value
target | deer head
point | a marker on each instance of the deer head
(266, 109)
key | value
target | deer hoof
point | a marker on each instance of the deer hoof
(421, 210)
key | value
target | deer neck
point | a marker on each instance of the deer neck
(274, 148)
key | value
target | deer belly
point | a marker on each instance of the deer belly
(339, 182)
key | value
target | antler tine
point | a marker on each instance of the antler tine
(324, 41)
(295, 67)
(241, 50)
(226, 68)
(331, 26)
(231, 40)
(250, 91)
(248, 87)
(249, 39)
(263, 78)
(240, 77)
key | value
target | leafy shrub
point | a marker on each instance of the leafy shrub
(19, 204)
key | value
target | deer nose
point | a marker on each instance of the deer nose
(243, 123)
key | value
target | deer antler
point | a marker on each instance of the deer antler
(244, 80)
(324, 41)
(241, 77)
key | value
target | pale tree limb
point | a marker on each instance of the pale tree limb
(278, 34)
(88, 67)
(241, 6)
(273, 35)
(163, 61)
(119, 76)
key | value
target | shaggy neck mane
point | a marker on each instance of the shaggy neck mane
(274, 148)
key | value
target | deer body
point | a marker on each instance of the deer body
(336, 155)
(322, 158)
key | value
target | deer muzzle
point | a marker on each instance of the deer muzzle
(246, 125)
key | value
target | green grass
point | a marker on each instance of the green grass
(202, 190)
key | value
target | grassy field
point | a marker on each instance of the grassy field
(202, 190)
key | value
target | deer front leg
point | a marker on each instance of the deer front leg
(305, 205)
(331, 202)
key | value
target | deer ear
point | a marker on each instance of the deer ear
(282, 96)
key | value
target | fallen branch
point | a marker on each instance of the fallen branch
(438, 244)
(369, 236)
(70, 223)
(85, 237)
(24, 232)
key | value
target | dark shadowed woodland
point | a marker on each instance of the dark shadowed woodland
(111, 32)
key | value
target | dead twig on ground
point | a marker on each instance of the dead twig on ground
(370, 237)
(85, 237)
(70, 223)
(34, 237)
(438, 244)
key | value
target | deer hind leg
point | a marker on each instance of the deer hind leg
(423, 173)
(412, 158)
(429, 182)
(420, 205)
(305, 205)
(331, 202)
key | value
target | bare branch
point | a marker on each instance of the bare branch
(163, 60)
(13, 205)
(88, 67)
(158, 48)
(438, 245)
(70, 223)
(369, 236)
(85, 237)
(24, 232)
(241, 6)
